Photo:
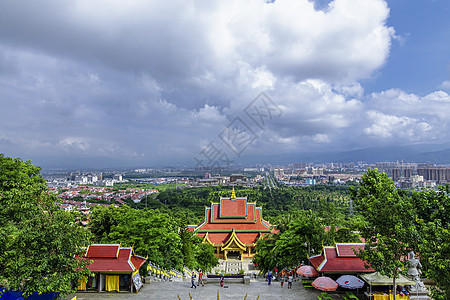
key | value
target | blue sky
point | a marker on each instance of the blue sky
(144, 83)
(419, 61)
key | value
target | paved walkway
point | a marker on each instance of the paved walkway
(170, 290)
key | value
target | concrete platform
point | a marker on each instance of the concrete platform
(170, 290)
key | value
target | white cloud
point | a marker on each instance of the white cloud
(389, 126)
(445, 85)
(149, 78)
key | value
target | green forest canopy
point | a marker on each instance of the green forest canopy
(31, 226)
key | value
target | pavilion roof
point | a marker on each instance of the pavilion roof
(105, 260)
(340, 259)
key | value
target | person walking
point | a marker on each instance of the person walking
(269, 277)
(221, 280)
(193, 281)
(290, 279)
(200, 278)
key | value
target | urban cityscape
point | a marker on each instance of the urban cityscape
(224, 150)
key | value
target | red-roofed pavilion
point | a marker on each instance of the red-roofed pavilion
(340, 259)
(115, 268)
(233, 226)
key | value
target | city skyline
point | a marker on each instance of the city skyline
(98, 83)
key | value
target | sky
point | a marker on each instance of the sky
(96, 83)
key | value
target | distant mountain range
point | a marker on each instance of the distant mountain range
(423, 153)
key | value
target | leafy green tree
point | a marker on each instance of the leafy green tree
(390, 232)
(302, 237)
(434, 247)
(204, 255)
(150, 233)
(266, 258)
(38, 242)
(187, 239)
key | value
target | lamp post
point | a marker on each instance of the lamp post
(309, 248)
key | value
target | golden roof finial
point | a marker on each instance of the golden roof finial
(233, 194)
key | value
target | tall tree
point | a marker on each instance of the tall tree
(150, 232)
(299, 239)
(204, 255)
(390, 230)
(434, 225)
(39, 243)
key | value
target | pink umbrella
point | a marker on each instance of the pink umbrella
(325, 284)
(307, 271)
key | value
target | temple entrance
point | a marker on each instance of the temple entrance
(234, 255)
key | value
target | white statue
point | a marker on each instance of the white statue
(414, 273)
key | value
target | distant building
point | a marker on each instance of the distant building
(234, 177)
(438, 174)
(278, 172)
(310, 181)
(118, 177)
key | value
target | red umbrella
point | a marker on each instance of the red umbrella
(325, 284)
(307, 271)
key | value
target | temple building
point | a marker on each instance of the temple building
(233, 226)
(114, 268)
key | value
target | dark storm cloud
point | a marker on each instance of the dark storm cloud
(151, 81)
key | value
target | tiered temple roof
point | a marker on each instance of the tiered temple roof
(233, 223)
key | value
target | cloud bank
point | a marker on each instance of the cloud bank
(151, 82)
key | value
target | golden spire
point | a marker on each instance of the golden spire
(233, 194)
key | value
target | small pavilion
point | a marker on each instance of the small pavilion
(115, 268)
(233, 226)
(340, 259)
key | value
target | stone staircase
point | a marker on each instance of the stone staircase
(233, 266)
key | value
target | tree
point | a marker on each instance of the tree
(266, 258)
(204, 255)
(38, 242)
(294, 244)
(187, 239)
(150, 233)
(390, 231)
(434, 226)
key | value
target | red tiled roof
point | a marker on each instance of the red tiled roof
(330, 261)
(230, 208)
(347, 250)
(220, 238)
(124, 262)
(248, 218)
(105, 251)
(248, 238)
(316, 260)
(137, 261)
(238, 225)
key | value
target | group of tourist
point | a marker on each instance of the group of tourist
(282, 277)
(200, 279)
